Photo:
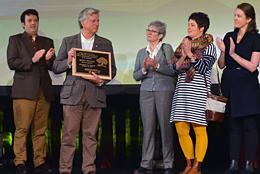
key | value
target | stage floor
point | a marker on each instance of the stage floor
(113, 171)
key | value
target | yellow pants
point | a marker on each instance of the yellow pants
(183, 130)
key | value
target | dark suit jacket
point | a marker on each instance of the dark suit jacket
(29, 76)
(74, 87)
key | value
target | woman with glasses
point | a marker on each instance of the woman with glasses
(193, 59)
(156, 91)
(240, 55)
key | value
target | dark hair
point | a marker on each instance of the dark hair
(249, 11)
(28, 12)
(201, 19)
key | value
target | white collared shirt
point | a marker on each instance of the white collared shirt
(87, 44)
(153, 53)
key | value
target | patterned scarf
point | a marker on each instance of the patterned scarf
(198, 46)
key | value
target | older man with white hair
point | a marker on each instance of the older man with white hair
(82, 99)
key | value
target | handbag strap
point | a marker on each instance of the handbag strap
(163, 50)
(219, 87)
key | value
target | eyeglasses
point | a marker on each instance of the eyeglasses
(152, 31)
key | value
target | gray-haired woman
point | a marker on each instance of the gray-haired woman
(157, 88)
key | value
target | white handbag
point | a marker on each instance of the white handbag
(216, 104)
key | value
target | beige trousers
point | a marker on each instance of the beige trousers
(32, 113)
(87, 118)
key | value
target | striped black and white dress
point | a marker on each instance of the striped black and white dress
(189, 101)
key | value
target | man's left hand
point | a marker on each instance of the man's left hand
(49, 54)
(95, 79)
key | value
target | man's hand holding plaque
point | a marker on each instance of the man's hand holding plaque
(70, 56)
(95, 79)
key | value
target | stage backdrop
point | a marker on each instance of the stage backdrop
(122, 21)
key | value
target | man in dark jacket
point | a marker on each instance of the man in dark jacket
(30, 56)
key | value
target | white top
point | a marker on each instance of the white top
(153, 53)
(87, 44)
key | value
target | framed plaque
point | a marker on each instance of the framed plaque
(87, 61)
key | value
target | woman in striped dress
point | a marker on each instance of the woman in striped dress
(193, 59)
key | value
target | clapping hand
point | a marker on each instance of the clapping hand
(232, 47)
(155, 64)
(221, 45)
(150, 62)
(145, 64)
(186, 47)
(49, 54)
(38, 55)
(183, 53)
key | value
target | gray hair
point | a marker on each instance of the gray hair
(161, 26)
(86, 12)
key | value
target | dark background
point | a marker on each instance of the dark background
(119, 135)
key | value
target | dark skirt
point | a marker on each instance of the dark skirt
(242, 89)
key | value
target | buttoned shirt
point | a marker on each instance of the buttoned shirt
(153, 53)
